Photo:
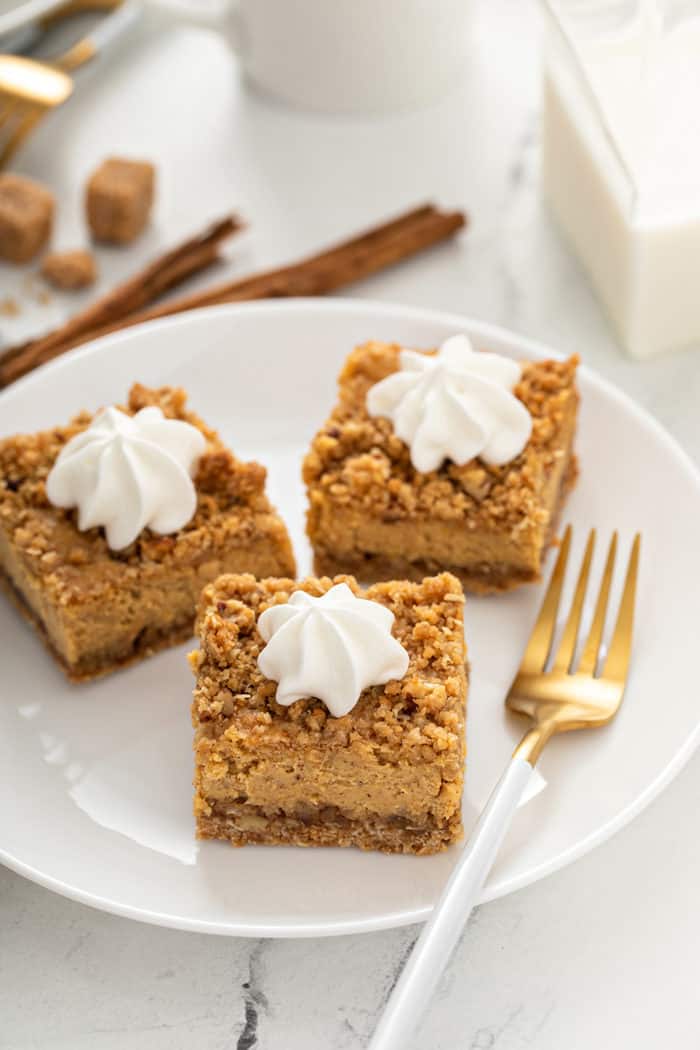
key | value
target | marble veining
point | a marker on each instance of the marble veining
(254, 999)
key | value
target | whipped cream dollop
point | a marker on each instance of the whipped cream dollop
(128, 472)
(455, 404)
(330, 647)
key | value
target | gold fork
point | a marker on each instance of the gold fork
(29, 89)
(555, 698)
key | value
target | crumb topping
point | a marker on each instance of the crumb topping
(69, 270)
(421, 714)
(229, 493)
(356, 459)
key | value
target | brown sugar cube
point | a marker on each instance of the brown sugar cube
(119, 199)
(26, 217)
(69, 271)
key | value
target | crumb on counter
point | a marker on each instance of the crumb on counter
(69, 270)
(9, 307)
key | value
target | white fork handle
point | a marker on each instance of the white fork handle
(443, 929)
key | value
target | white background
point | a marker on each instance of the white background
(604, 954)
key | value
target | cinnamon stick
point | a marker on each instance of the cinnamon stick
(323, 272)
(344, 264)
(162, 274)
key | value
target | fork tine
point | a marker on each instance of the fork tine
(589, 656)
(540, 642)
(618, 657)
(567, 647)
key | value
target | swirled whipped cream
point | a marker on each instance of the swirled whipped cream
(128, 472)
(330, 647)
(456, 404)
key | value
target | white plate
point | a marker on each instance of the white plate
(95, 780)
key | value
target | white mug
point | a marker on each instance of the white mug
(342, 56)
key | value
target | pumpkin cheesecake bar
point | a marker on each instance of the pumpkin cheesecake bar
(380, 768)
(104, 597)
(489, 516)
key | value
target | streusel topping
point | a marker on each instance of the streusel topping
(49, 539)
(359, 460)
(421, 713)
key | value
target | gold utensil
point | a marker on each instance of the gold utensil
(556, 697)
(29, 89)
(567, 697)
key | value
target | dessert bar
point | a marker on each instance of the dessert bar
(106, 539)
(468, 476)
(376, 766)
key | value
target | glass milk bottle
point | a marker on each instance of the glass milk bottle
(621, 159)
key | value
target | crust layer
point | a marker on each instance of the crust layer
(250, 826)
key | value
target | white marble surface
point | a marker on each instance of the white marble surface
(605, 953)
